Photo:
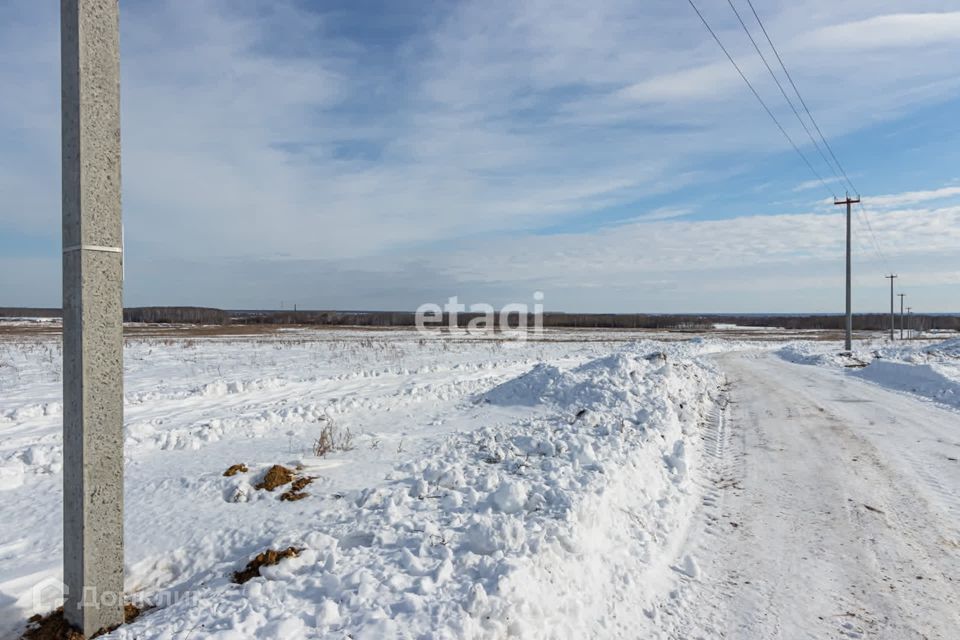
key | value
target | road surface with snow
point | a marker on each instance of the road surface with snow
(833, 510)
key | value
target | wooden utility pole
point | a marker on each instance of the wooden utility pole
(901, 314)
(848, 343)
(893, 325)
(92, 315)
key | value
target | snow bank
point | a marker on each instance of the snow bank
(932, 381)
(823, 354)
(806, 353)
(929, 370)
(599, 383)
(945, 349)
(492, 486)
(552, 525)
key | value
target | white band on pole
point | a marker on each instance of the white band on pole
(92, 247)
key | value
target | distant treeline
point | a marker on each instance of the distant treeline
(28, 312)
(155, 315)
(865, 322)
(176, 315)
(204, 315)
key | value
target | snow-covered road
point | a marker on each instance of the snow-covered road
(833, 512)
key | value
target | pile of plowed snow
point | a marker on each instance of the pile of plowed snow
(929, 370)
(604, 382)
(935, 381)
(553, 525)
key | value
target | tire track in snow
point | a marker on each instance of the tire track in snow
(720, 473)
(831, 539)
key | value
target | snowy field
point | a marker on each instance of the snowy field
(477, 488)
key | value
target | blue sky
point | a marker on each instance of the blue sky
(386, 154)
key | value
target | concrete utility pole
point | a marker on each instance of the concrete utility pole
(848, 343)
(909, 324)
(92, 315)
(901, 314)
(893, 325)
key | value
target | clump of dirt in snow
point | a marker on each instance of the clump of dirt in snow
(295, 492)
(276, 476)
(235, 469)
(265, 559)
(54, 625)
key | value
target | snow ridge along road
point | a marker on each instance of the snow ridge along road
(832, 513)
(534, 490)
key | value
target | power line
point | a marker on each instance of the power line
(802, 101)
(862, 215)
(873, 236)
(866, 226)
(783, 91)
(760, 100)
(861, 212)
(862, 243)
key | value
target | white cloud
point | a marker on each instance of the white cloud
(910, 197)
(664, 213)
(709, 82)
(788, 262)
(816, 183)
(767, 256)
(901, 30)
